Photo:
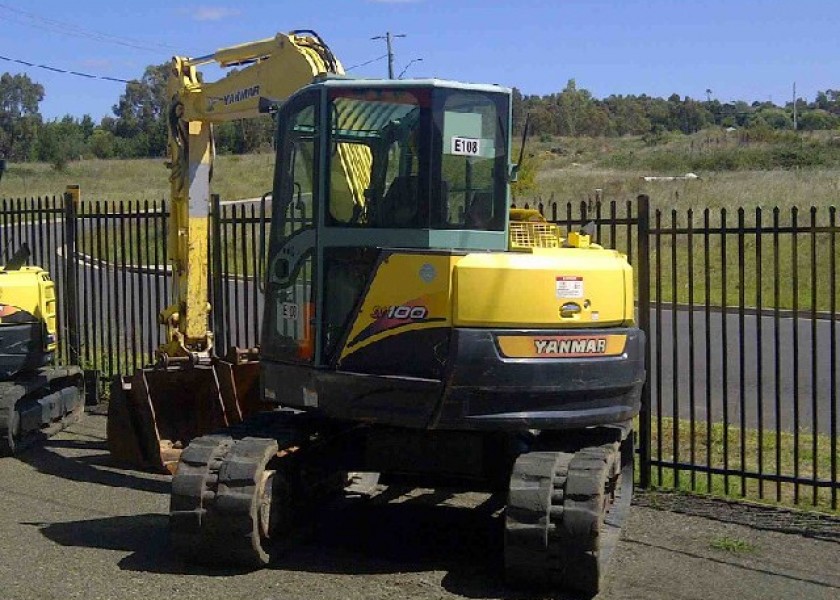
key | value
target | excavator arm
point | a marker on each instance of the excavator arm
(269, 71)
(192, 391)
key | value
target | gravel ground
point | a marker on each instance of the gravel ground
(71, 526)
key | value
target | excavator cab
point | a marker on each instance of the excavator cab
(390, 257)
(428, 166)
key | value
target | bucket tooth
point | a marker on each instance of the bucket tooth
(239, 374)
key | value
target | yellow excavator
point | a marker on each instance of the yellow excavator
(37, 398)
(414, 327)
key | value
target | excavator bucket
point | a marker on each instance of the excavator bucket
(238, 374)
(153, 415)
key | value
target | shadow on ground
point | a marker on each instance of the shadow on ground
(357, 537)
(813, 525)
(88, 461)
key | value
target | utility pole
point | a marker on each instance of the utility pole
(794, 106)
(388, 37)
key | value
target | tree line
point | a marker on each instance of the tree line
(575, 112)
(137, 128)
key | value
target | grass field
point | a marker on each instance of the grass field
(720, 447)
(576, 169)
(142, 179)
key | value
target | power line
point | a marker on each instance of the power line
(411, 62)
(373, 60)
(38, 22)
(65, 71)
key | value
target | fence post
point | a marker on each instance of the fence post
(71, 285)
(217, 306)
(643, 274)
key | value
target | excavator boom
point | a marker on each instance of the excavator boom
(191, 391)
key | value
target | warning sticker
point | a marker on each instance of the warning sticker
(569, 286)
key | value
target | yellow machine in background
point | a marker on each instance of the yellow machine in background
(36, 398)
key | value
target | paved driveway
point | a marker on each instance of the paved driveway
(71, 526)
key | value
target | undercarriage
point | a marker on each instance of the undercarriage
(37, 404)
(239, 496)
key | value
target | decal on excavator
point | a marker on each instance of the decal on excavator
(561, 346)
(243, 94)
(386, 318)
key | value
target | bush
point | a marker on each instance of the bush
(58, 143)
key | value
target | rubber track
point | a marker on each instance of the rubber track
(556, 533)
(38, 384)
(214, 506)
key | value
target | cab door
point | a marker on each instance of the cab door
(290, 327)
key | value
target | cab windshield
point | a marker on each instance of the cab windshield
(423, 158)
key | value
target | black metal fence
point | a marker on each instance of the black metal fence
(740, 309)
(743, 336)
(237, 243)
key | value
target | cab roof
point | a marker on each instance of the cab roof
(331, 81)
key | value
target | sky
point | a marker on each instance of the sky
(739, 49)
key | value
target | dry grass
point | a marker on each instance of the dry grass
(748, 189)
(141, 179)
(568, 173)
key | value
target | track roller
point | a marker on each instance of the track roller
(565, 513)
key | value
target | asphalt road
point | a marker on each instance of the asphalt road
(72, 526)
(783, 379)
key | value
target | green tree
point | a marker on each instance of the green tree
(102, 143)
(572, 107)
(19, 116)
(812, 120)
(141, 114)
(775, 117)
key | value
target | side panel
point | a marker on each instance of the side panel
(49, 311)
(27, 320)
(403, 322)
(549, 288)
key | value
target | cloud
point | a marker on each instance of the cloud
(213, 13)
